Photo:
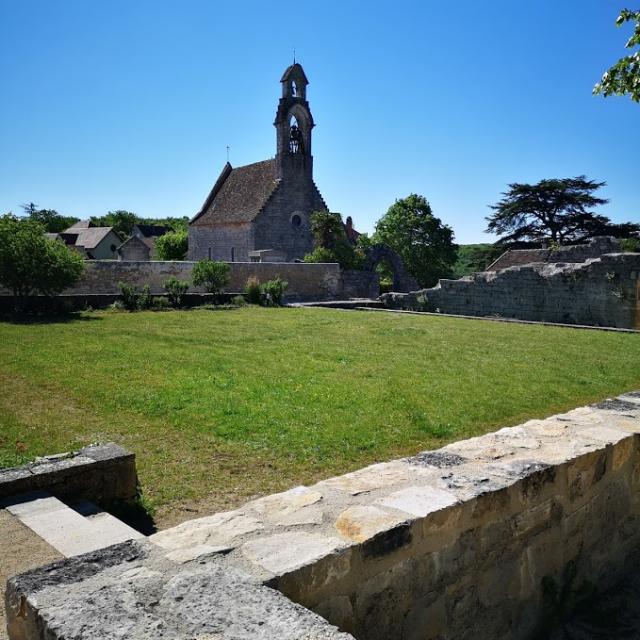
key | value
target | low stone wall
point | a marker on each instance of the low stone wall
(600, 292)
(307, 281)
(467, 542)
(103, 474)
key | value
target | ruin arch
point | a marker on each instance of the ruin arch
(402, 281)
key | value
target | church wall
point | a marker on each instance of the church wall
(273, 227)
(217, 242)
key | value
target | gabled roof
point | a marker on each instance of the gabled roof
(81, 224)
(294, 71)
(151, 230)
(88, 238)
(239, 194)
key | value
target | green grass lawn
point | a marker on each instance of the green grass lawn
(227, 404)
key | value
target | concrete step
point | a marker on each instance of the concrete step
(68, 530)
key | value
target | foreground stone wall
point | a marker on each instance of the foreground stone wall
(467, 542)
(306, 281)
(599, 292)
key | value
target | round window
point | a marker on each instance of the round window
(296, 220)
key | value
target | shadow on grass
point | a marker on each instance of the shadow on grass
(48, 318)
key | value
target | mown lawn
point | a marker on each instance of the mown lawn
(226, 404)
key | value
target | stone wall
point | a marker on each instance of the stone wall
(599, 292)
(216, 242)
(306, 281)
(467, 542)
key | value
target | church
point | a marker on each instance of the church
(261, 211)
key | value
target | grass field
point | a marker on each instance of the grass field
(221, 405)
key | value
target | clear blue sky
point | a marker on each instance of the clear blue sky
(130, 105)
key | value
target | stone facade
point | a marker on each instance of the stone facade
(265, 205)
(462, 543)
(134, 249)
(600, 292)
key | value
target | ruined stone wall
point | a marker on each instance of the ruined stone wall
(599, 292)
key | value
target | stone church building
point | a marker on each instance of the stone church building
(263, 209)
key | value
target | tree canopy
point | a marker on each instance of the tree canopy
(559, 210)
(331, 243)
(172, 245)
(31, 263)
(50, 219)
(623, 78)
(422, 240)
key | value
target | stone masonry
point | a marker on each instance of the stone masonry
(600, 292)
(452, 544)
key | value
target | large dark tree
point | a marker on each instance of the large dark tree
(51, 220)
(424, 243)
(559, 210)
(623, 78)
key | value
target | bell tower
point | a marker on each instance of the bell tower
(293, 126)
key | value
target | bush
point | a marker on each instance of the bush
(172, 245)
(214, 276)
(253, 291)
(238, 301)
(160, 303)
(128, 296)
(273, 291)
(31, 263)
(145, 299)
(176, 290)
(631, 245)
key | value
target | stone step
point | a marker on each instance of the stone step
(68, 530)
(352, 303)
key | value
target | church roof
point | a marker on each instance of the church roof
(294, 69)
(239, 194)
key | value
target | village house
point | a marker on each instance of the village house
(94, 243)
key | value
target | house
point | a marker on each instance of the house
(95, 243)
(149, 233)
(265, 206)
(134, 249)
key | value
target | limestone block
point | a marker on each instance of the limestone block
(293, 507)
(419, 501)
(360, 523)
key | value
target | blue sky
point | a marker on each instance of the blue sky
(130, 105)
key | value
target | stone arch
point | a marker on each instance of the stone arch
(402, 281)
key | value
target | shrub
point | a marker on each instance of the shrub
(176, 290)
(253, 290)
(214, 276)
(160, 303)
(273, 291)
(238, 301)
(145, 299)
(631, 245)
(128, 296)
(31, 263)
(172, 245)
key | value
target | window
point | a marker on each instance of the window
(113, 248)
(296, 220)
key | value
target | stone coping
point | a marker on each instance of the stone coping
(97, 472)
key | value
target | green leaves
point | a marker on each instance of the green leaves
(623, 78)
(172, 245)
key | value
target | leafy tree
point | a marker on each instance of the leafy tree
(50, 219)
(331, 243)
(121, 221)
(423, 242)
(327, 229)
(214, 276)
(31, 263)
(559, 210)
(172, 245)
(623, 78)
(176, 290)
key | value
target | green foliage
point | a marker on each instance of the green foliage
(30, 263)
(121, 221)
(50, 219)
(176, 290)
(475, 257)
(623, 78)
(160, 303)
(172, 245)
(421, 239)
(145, 299)
(129, 296)
(327, 229)
(214, 276)
(631, 245)
(559, 210)
(273, 291)
(252, 292)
